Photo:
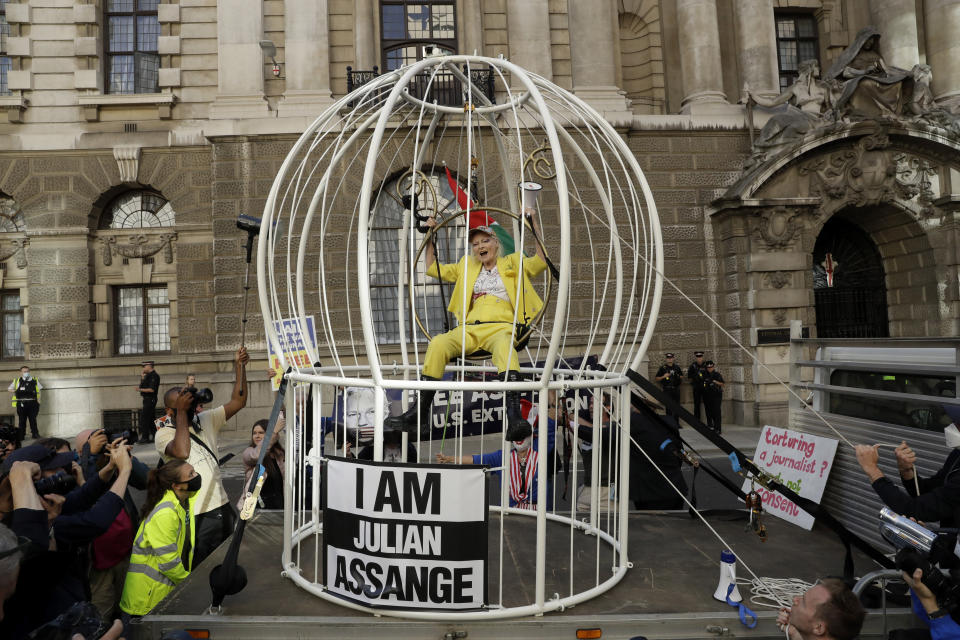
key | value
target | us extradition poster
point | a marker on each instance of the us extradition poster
(405, 536)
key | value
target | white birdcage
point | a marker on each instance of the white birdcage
(340, 253)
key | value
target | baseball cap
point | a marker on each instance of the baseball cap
(45, 458)
(483, 229)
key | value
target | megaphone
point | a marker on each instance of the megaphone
(728, 577)
(530, 190)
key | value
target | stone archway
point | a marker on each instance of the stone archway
(849, 289)
(895, 183)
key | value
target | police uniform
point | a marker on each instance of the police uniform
(26, 398)
(148, 412)
(670, 376)
(695, 375)
(712, 395)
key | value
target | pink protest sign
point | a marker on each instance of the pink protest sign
(800, 461)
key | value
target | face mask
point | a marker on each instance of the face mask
(952, 435)
(26, 376)
(194, 483)
(524, 444)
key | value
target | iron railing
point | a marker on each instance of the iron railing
(444, 88)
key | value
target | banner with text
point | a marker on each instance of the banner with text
(294, 345)
(405, 536)
(800, 461)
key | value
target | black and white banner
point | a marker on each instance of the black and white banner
(405, 536)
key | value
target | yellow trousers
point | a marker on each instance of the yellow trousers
(492, 334)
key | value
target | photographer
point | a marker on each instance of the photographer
(192, 437)
(926, 607)
(827, 611)
(54, 577)
(110, 552)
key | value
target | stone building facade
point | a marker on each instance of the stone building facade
(134, 132)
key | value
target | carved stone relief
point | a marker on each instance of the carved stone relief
(868, 174)
(17, 248)
(777, 279)
(777, 226)
(138, 246)
(780, 316)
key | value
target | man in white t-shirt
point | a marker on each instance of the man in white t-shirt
(193, 438)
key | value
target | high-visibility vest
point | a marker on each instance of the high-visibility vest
(156, 564)
(16, 387)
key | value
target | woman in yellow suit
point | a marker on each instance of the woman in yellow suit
(163, 549)
(490, 281)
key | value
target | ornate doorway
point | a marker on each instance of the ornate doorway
(848, 283)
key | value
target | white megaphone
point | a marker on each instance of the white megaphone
(530, 190)
(728, 576)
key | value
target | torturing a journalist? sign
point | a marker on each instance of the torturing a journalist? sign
(800, 461)
(405, 536)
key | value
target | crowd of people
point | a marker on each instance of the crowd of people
(89, 533)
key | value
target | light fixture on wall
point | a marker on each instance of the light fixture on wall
(270, 51)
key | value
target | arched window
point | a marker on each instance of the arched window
(406, 26)
(386, 267)
(11, 218)
(138, 210)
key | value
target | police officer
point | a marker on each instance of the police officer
(670, 376)
(695, 374)
(26, 398)
(712, 395)
(148, 387)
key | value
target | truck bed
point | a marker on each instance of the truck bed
(667, 594)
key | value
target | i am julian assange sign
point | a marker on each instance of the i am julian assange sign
(406, 536)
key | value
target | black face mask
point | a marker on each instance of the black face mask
(194, 483)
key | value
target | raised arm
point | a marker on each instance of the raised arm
(179, 447)
(239, 398)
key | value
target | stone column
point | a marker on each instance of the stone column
(528, 35)
(307, 54)
(897, 22)
(367, 15)
(700, 54)
(593, 56)
(757, 45)
(471, 19)
(943, 47)
(240, 61)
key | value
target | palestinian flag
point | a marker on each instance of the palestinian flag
(479, 217)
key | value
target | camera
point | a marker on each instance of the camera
(200, 396)
(61, 484)
(921, 548)
(8, 433)
(126, 434)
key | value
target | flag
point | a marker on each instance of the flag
(479, 217)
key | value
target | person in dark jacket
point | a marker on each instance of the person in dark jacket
(939, 496)
(670, 377)
(149, 387)
(660, 442)
(54, 575)
(110, 552)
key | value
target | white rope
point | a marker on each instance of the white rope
(774, 593)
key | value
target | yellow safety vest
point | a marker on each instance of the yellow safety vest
(155, 564)
(16, 383)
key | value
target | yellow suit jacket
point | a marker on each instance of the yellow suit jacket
(509, 269)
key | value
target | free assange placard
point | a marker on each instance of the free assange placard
(405, 536)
